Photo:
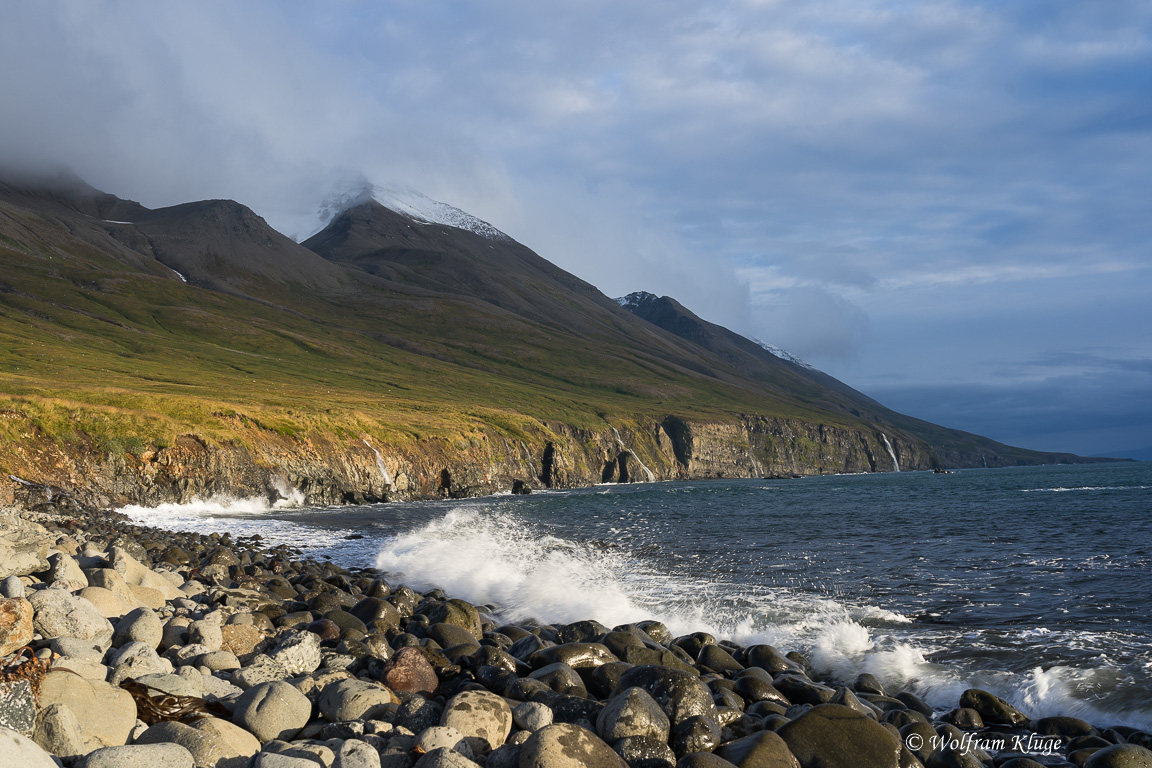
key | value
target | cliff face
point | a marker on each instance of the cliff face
(329, 469)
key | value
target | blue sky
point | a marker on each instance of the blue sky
(945, 204)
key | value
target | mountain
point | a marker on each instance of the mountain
(405, 350)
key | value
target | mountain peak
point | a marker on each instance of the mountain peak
(407, 202)
(636, 300)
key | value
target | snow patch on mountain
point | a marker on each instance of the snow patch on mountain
(407, 202)
(635, 300)
(783, 354)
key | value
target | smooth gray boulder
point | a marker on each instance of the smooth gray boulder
(18, 750)
(59, 613)
(140, 625)
(58, 732)
(140, 756)
(275, 710)
(354, 699)
(355, 753)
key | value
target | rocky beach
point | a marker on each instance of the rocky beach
(126, 646)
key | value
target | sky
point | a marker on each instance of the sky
(946, 204)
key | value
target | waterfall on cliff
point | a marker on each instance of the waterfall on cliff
(379, 462)
(647, 472)
(892, 453)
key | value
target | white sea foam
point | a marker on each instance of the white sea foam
(239, 516)
(492, 557)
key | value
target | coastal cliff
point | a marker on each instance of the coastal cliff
(330, 468)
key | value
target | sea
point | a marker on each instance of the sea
(1034, 583)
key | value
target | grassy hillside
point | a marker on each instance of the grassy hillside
(123, 334)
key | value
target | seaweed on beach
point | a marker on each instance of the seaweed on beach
(166, 706)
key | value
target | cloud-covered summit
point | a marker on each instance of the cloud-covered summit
(864, 183)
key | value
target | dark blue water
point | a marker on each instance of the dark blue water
(1035, 583)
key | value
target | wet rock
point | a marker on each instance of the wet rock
(680, 694)
(354, 700)
(965, 718)
(567, 746)
(760, 750)
(831, 736)
(274, 710)
(632, 712)
(580, 632)
(769, 659)
(479, 714)
(752, 689)
(575, 709)
(694, 734)
(657, 631)
(560, 677)
(992, 708)
(575, 655)
(15, 624)
(418, 714)
(602, 680)
(19, 750)
(140, 756)
(867, 683)
(716, 658)
(458, 613)
(60, 614)
(448, 635)
(914, 703)
(376, 609)
(106, 714)
(409, 671)
(801, 690)
(1067, 727)
(645, 752)
(1121, 756)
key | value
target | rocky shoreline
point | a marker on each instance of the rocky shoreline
(124, 646)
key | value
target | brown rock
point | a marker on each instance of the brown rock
(241, 639)
(409, 672)
(15, 624)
